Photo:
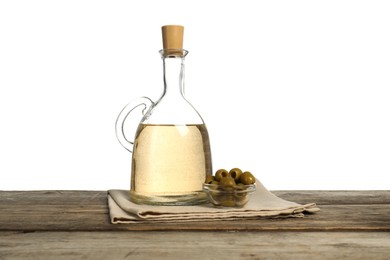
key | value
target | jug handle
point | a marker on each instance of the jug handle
(120, 134)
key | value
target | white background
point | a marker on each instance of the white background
(298, 92)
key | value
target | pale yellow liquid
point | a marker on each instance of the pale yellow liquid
(170, 164)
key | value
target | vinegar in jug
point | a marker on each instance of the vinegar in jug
(171, 150)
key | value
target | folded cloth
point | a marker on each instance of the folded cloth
(261, 204)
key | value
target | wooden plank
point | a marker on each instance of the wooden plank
(87, 210)
(338, 197)
(194, 245)
(53, 197)
(336, 218)
(99, 197)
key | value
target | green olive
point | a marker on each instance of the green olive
(235, 173)
(227, 202)
(240, 192)
(221, 173)
(209, 179)
(240, 187)
(247, 178)
(227, 183)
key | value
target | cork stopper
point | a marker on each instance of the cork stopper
(172, 36)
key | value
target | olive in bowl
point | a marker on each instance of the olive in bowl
(229, 189)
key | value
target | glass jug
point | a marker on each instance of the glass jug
(171, 150)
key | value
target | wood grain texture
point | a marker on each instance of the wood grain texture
(194, 245)
(87, 211)
(75, 225)
(338, 197)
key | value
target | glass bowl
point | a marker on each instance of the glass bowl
(236, 196)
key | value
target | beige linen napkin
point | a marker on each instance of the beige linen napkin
(262, 204)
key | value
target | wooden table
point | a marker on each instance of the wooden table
(75, 225)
